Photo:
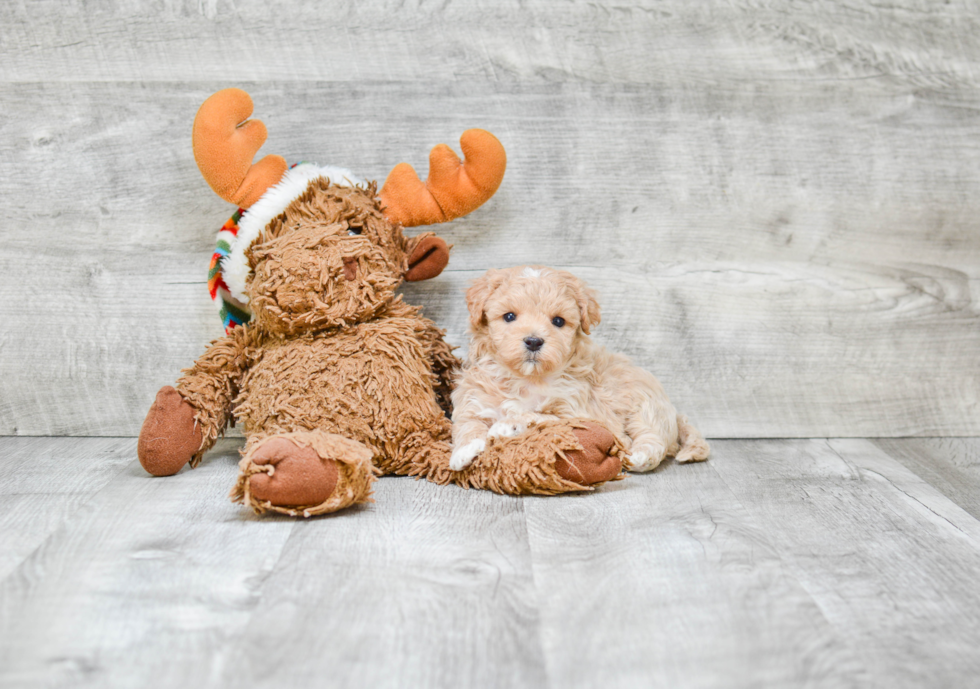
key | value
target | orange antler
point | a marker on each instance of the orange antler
(225, 141)
(453, 188)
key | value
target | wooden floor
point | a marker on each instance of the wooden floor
(828, 563)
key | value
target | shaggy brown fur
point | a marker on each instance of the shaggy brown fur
(334, 361)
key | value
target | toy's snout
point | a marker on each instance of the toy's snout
(350, 268)
(307, 279)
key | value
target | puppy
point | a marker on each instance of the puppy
(531, 359)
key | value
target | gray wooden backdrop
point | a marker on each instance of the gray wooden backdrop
(778, 201)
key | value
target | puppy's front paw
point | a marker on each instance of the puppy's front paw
(645, 458)
(464, 455)
(506, 429)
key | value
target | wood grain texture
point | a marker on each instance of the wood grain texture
(777, 563)
(429, 587)
(44, 482)
(618, 41)
(950, 465)
(889, 560)
(790, 260)
(146, 584)
(666, 580)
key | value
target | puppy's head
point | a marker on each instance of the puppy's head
(530, 318)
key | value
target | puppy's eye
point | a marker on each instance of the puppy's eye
(510, 316)
(353, 231)
(558, 321)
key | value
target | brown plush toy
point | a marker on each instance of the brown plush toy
(333, 378)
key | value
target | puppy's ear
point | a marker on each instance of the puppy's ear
(479, 294)
(588, 306)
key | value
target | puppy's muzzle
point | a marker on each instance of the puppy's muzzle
(533, 344)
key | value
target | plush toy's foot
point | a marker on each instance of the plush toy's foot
(170, 437)
(297, 475)
(305, 473)
(594, 463)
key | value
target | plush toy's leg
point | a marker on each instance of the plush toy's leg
(304, 474)
(548, 459)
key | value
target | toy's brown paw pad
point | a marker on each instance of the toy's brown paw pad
(169, 437)
(297, 476)
(593, 463)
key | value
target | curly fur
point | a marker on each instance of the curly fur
(508, 385)
(334, 358)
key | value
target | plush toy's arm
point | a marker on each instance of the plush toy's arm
(184, 423)
(445, 364)
(211, 384)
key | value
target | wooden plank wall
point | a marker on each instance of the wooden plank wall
(778, 201)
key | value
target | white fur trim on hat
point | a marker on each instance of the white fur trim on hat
(274, 201)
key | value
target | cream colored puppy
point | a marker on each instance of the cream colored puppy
(531, 359)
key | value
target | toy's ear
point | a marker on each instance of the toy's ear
(479, 294)
(427, 257)
(588, 306)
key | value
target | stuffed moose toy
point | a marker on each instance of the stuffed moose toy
(332, 377)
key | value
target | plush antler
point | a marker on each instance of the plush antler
(225, 141)
(453, 188)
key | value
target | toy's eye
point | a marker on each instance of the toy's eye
(510, 316)
(558, 321)
(354, 230)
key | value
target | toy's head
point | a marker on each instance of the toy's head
(332, 258)
(315, 247)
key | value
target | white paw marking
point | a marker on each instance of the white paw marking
(643, 460)
(506, 429)
(464, 455)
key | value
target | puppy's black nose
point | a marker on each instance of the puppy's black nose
(533, 343)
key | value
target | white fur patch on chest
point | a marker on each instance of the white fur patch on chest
(524, 401)
(561, 396)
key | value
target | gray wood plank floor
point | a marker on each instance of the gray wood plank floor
(779, 563)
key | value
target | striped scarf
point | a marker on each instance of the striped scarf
(233, 312)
